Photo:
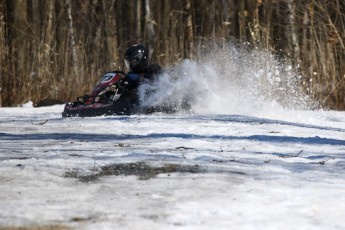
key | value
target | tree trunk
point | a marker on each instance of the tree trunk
(241, 20)
(150, 33)
(291, 30)
(111, 30)
(166, 40)
(3, 49)
(49, 31)
(189, 30)
(72, 39)
(138, 19)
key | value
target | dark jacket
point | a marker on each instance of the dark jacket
(150, 73)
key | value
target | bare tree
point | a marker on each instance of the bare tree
(3, 49)
(138, 19)
(150, 33)
(49, 30)
(291, 30)
(111, 29)
(189, 29)
(72, 38)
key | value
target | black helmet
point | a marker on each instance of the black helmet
(136, 58)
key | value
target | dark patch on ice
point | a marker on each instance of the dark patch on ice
(141, 169)
(145, 171)
(75, 155)
(223, 161)
(182, 147)
(81, 219)
(19, 158)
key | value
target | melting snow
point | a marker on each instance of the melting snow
(189, 171)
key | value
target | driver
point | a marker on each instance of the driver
(136, 59)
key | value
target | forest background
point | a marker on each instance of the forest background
(59, 48)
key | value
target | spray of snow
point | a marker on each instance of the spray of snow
(228, 81)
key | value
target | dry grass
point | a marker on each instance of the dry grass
(53, 50)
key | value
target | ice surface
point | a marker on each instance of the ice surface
(189, 171)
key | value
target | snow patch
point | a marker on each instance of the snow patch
(28, 104)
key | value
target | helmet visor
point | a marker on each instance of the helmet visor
(133, 60)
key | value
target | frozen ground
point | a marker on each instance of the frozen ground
(281, 170)
(240, 161)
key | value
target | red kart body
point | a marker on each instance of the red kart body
(105, 99)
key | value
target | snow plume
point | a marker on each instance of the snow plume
(228, 80)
